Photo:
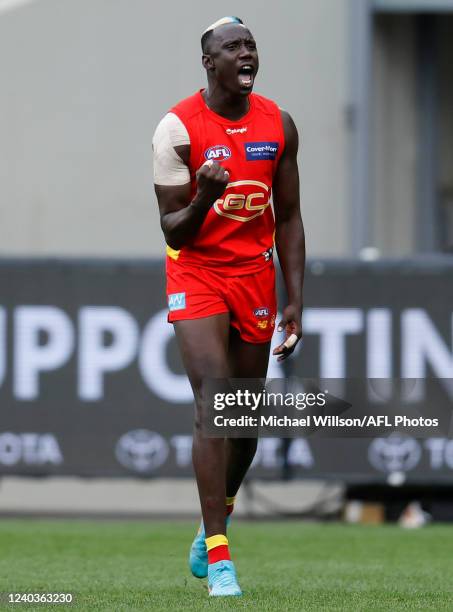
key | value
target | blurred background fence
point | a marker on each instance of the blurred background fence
(91, 383)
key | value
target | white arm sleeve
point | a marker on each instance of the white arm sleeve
(169, 169)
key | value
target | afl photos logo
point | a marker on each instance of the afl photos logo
(217, 153)
(243, 200)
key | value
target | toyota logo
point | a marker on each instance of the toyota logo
(141, 450)
(397, 453)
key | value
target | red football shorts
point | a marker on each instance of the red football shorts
(194, 293)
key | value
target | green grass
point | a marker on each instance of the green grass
(281, 566)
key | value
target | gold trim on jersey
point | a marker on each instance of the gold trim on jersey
(173, 253)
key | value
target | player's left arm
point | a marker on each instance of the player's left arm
(289, 237)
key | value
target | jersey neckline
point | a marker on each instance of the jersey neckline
(223, 120)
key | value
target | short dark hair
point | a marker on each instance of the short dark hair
(205, 41)
(208, 35)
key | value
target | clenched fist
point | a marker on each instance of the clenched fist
(212, 180)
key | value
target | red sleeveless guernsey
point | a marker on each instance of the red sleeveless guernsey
(237, 236)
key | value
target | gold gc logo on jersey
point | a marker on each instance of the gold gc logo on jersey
(244, 200)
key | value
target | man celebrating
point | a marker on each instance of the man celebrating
(217, 156)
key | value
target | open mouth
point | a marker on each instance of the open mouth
(246, 75)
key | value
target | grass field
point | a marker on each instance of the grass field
(281, 566)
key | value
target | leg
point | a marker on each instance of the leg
(246, 361)
(204, 349)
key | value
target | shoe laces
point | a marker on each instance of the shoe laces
(224, 576)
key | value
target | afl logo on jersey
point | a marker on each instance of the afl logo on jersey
(261, 312)
(217, 153)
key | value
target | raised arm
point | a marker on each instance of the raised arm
(181, 217)
(289, 235)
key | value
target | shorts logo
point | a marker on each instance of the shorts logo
(177, 301)
(261, 312)
(257, 151)
(262, 324)
(217, 153)
(268, 254)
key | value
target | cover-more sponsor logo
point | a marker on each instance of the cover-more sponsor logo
(217, 153)
(243, 200)
(257, 151)
(232, 131)
(141, 450)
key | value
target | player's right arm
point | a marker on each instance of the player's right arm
(180, 217)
